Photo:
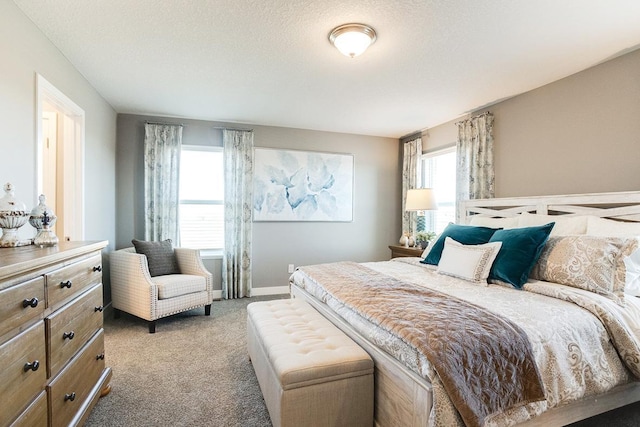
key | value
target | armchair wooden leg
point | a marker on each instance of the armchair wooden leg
(152, 326)
(207, 310)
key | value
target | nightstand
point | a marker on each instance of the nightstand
(400, 251)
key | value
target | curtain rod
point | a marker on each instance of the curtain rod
(236, 129)
(411, 137)
(164, 124)
(215, 127)
(486, 113)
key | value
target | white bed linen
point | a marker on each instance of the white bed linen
(572, 348)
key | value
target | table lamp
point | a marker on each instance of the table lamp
(420, 200)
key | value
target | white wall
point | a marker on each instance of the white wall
(25, 51)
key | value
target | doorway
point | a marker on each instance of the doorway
(60, 159)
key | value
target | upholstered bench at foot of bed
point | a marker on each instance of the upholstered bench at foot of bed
(310, 372)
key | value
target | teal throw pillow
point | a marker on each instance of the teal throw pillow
(465, 234)
(521, 248)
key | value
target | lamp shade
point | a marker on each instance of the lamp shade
(420, 199)
(352, 39)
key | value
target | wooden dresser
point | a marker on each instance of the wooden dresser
(52, 368)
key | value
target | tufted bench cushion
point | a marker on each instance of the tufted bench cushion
(310, 372)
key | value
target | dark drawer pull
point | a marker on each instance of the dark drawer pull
(66, 284)
(33, 302)
(99, 308)
(100, 356)
(69, 335)
(33, 366)
(70, 397)
(97, 268)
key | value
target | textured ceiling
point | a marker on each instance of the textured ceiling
(268, 62)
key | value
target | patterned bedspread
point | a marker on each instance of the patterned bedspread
(568, 330)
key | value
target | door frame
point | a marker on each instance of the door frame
(70, 157)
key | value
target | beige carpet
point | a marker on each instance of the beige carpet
(194, 371)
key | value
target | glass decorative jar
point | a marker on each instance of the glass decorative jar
(43, 219)
(13, 215)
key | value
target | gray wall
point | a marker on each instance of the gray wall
(376, 221)
(580, 134)
(25, 51)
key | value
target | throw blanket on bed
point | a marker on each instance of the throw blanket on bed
(484, 360)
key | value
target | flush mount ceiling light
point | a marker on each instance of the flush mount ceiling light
(352, 39)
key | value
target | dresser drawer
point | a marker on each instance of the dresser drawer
(66, 282)
(35, 415)
(71, 326)
(22, 371)
(21, 303)
(69, 390)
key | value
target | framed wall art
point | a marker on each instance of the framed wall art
(292, 185)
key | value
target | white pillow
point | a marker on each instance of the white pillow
(565, 225)
(429, 246)
(485, 221)
(632, 277)
(469, 262)
(597, 226)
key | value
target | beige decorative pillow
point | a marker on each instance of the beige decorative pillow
(592, 263)
(469, 262)
(606, 227)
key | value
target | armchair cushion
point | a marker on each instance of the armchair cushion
(160, 256)
(175, 285)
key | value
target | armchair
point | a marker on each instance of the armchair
(134, 291)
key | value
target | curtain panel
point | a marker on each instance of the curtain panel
(475, 176)
(161, 181)
(411, 177)
(238, 199)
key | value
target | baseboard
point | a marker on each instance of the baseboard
(217, 295)
(273, 290)
(256, 292)
(107, 310)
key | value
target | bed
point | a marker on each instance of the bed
(577, 381)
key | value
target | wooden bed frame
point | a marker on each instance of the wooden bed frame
(403, 398)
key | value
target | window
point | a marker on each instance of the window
(439, 173)
(201, 197)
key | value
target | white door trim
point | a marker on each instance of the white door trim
(71, 217)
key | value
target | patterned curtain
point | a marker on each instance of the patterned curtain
(411, 176)
(238, 195)
(161, 174)
(475, 176)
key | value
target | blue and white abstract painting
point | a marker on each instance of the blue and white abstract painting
(291, 185)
